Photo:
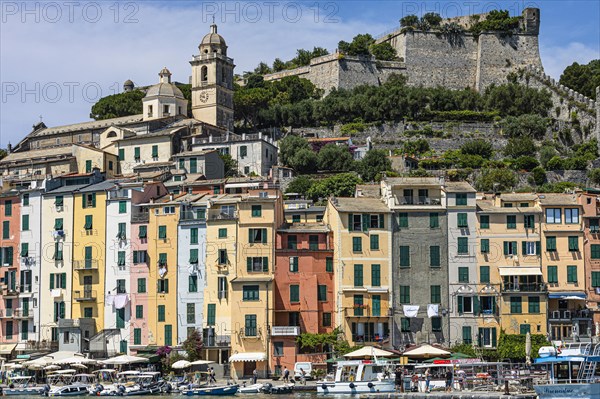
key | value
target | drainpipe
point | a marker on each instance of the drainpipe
(268, 334)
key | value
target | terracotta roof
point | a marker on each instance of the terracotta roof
(54, 152)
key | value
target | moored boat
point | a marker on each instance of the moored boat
(269, 388)
(220, 390)
(358, 377)
(254, 388)
(21, 385)
(78, 385)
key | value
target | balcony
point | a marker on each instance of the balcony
(25, 288)
(27, 261)
(284, 331)
(532, 287)
(6, 313)
(86, 264)
(143, 217)
(568, 314)
(22, 314)
(365, 311)
(10, 292)
(85, 295)
(218, 215)
(189, 216)
(418, 201)
(368, 338)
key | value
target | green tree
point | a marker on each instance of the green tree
(254, 80)
(118, 105)
(230, 165)
(525, 125)
(193, 346)
(335, 158)
(248, 102)
(416, 147)
(262, 69)
(289, 146)
(496, 180)
(479, 147)
(300, 185)
(360, 45)
(516, 99)
(3, 153)
(304, 161)
(383, 51)
(582, 78)
(519, 146)
(594, 176)
(525, 162)
(374, 162)
(278, 65)
(547, 152)
(409, 21)
(340, 185)
(539, 175)
(512, 346)
(431, 19)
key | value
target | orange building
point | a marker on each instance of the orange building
(591, 253)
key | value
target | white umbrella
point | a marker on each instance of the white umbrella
(75, 360)
(181, 364)
(51, 367)
(425, 351)
(528, 348)
(197, 362)
(369, 351)
(79, 366)
(13, 366)
(124, 359)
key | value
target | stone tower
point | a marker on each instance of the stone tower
(212, 82)
(531, 21)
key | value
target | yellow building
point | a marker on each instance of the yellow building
(511, 290)
(563, 265)
(89, 253)
(162, 274)
(362, 232)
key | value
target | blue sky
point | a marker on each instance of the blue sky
(57, 59)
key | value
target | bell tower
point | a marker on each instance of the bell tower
(212, 82)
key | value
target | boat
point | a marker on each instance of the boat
(21, 385)
(571, 372)
(144, 383)
(78, 385)
(358, 377)
(254, 388)
(271, 389)
(219, 390)
(106, 383)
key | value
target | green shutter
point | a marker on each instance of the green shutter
(462, 220)
(168, 335)
(329, 264)
(511, 222)
(550, 243)
(154, 151)
(376, 305)
(194, 235)
(24, 250)
(161, 312)
(264, 236)
(294, 293)
(136, 153)
(494, 338)
(375, 275)
(122, 206)
(484, 274)
(382, 221)
(524, 247)
(374, 242)
(485, 246)
(573, 243)
(89, 222)
(143, 232)
(484, 221)
(137, 336)
(193, 256)
(434, 221)
(6, 230)
(249, 264)
(162, 232)
(265, 264)
(403, 219)
(211, 313)
(459, 304)
(350, 220)
(506, 248)
(193, 283)
(434, 256)
(358, 275)
(51, 281)
(25, 222)
(404, 256)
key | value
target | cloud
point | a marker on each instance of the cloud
(556, 58)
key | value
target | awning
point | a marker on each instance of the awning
(520, 271)
(248, 357)
(242, 185)
(6, 349)
(564, 295)
(152, 357)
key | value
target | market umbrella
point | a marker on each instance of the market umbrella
(50, 367)
(75, 360)
(198, 362)
(528, 348)
(181, 364)
(124, 359)
(369, 351)
(458, 355)
(79, 366)
(426, 351)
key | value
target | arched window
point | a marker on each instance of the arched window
(204, 74)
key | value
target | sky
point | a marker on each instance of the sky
(58, 58)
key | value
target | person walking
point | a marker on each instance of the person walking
(398, 379)
(427, 380)
(212, 375)
(303, 376)
(254, 376)
(449, 377)
(286, 374)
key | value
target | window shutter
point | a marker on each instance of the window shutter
(94, 200)
(249, 264)
(83, 203)
(494, 306)
(381, 221)
(264, 236)
(505, 247)
(365, 221)
(136, 257)
(476, 305)
(479, 337)
(52, 281)
(459, 303)
(524, 247)
(265, 264)
(63, 280)
(166, 284)
(62, 310)
(9, 255)
(494, 340)
(538, 245)
(350, 219)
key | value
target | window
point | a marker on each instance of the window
(375, 275)
(467, 335)
(191, 313)
(256, 211)
(551, 244)
(292, 242)
(58, 224)
(485, 246)
(211, 313)
(257, 264)
(25, 222)
(552, 274)
(162, 259)
(313, 242)
(487, 338)
(155, 149)
(358, 275)
(530, 247)
(488, 304)
(510, 248)
(595, 251)
(484, 274)
(89, 222)
(88, 312)
(434, 256)
(553, 216)
(143, 232)
(257, 236)
(595, 279)
(25, 199)
(8, 208)
(461, 220)
(193, 165)
(194, 235)
(463, 274)
(89, 200)
(463, 245)
(572, 274)
(122, 206)
(465, 304)
(296, 218)
(121, 231)
(168, 335)
(243, 151)
(403, 220)
(222, 233)
(24, 250)
(250, 325)
(405, 294)
(405, 324)
(59, 201)
(534, 304)
(436, 324)
(121, 154)
(594, 226)
(515, 305)
(319, 218)
(404, 256)
(511, 221)
(329, 264)
(293, 264)
(250, 293)
(222, 257)
(358, 305)
(529, 221)
(461, 199)
(326, 319)
(162, 286)
(121, 258)
(434, 221)
(139, 257)
(356, 244)
(436, 294)
(322, 293)
(168, 210)
(162, 232)
(161, 313)
(222, 288)
(571, 216)
(376, 221)
(136, 154)
(137, 336)
(376, 305)
(574, 244)
(121, 318)
(355, 222)
(484, 221)
(278, 349)
(524, 329)
(139, 311)
(193, 283)
(374, 242)
(58, 251)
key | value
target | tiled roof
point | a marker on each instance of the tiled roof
(558, 199)
(459, 187)
(359, 205)
(105, 123)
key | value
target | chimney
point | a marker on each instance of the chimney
(9, 148)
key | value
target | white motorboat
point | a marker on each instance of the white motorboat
(78, 385)
(572, 372)
(21, 385)
(358, 377)
(254, 388)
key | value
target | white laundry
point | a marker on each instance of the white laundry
(121, 300)
(109, 300)
(433, 310)
(410, 310)
(55, 293)
(162, 271)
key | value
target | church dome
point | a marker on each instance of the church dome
(165, 88)
(213, 38)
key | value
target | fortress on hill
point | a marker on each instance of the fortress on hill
(434, 58)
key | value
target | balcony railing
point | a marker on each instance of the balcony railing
(27, 261)
(368, 338)
(22, 313)
(281, 331)
(192, 216)
(568, 314)
(516, 287)
(25, 288)
(140, 217)
(85, 295)
(419, 201)
(86, 264)
(6, 312)
(9, 292)
(218, 215)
